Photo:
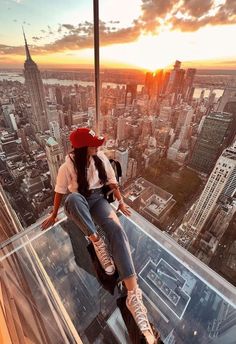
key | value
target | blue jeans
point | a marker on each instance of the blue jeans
(86, 212)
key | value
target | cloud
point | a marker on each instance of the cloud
(184, 15)
(5, 50)
(81, 37)
(68, 26)
(49, 30)
(36, 38)
(197, 8)
(78, 37)
(203, 12)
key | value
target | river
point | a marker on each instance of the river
(18, 77)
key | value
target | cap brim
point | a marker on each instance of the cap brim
(98, 141)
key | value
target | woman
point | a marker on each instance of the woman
(84, 173)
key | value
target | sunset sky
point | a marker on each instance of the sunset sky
(147, 34)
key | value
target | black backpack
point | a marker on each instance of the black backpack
(108, 193)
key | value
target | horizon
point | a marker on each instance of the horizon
(102, 68)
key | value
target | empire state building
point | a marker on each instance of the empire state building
(34, 84)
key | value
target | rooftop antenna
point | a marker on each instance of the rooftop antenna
(28, 57)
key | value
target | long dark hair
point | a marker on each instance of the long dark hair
(80, 164)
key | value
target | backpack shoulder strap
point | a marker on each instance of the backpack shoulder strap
(117, 168)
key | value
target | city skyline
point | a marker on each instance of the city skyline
(198, 33)
(168, 130)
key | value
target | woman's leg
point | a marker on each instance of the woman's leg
(106, 218)
(77, 209)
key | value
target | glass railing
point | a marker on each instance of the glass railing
(57, 299)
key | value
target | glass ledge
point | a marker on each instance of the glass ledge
(186, 300)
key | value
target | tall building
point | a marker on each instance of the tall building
(132, 89)
(154, 83)
(228, 104)
(33, 81)
(176, 80)
(9, 222)
(213, 138)
(58, 95)
(188, 83)
(185, 127)
(24, 142)
(122, 155)
(217, 184)
(32, 183)
(165, 114)
(224, 328)
(148, 83)
(121, 128)
(8, 117)
(55, 158)
(55, 130)
(228, 101)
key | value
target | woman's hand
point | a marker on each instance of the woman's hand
(49, 222)
(124, 209)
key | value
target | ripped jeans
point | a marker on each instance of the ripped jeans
(86, 212)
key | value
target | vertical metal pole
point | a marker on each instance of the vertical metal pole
(96, 62)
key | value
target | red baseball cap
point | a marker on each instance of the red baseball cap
(85, 137)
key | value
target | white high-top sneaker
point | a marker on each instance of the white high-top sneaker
(136, 307)
(104, 257)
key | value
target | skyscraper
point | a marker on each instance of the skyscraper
(132, 89)
(58, 95)
(55, 158)
(22, 135)
(213, 138)
(55, 130)
(122, 155)
(228, 104)
(188, 83)
(121, 122)
(154, 83)
(217, 184)
(228, 101)
(9, 222)
(176, 81)
(33, 81)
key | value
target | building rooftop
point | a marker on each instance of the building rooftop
(51, 142)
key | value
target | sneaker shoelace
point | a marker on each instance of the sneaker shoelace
(145, 321)
(140, 311)
(103, 254)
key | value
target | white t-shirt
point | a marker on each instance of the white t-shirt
(67, 177)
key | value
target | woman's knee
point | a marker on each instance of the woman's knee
(74, 199)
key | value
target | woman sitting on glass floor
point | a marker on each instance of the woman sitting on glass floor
(84, 173)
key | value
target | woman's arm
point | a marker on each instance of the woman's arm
(57, 202)
(53, 217)
(116, 191)
(122, 206)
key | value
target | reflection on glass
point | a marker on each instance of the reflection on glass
(186, 300)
